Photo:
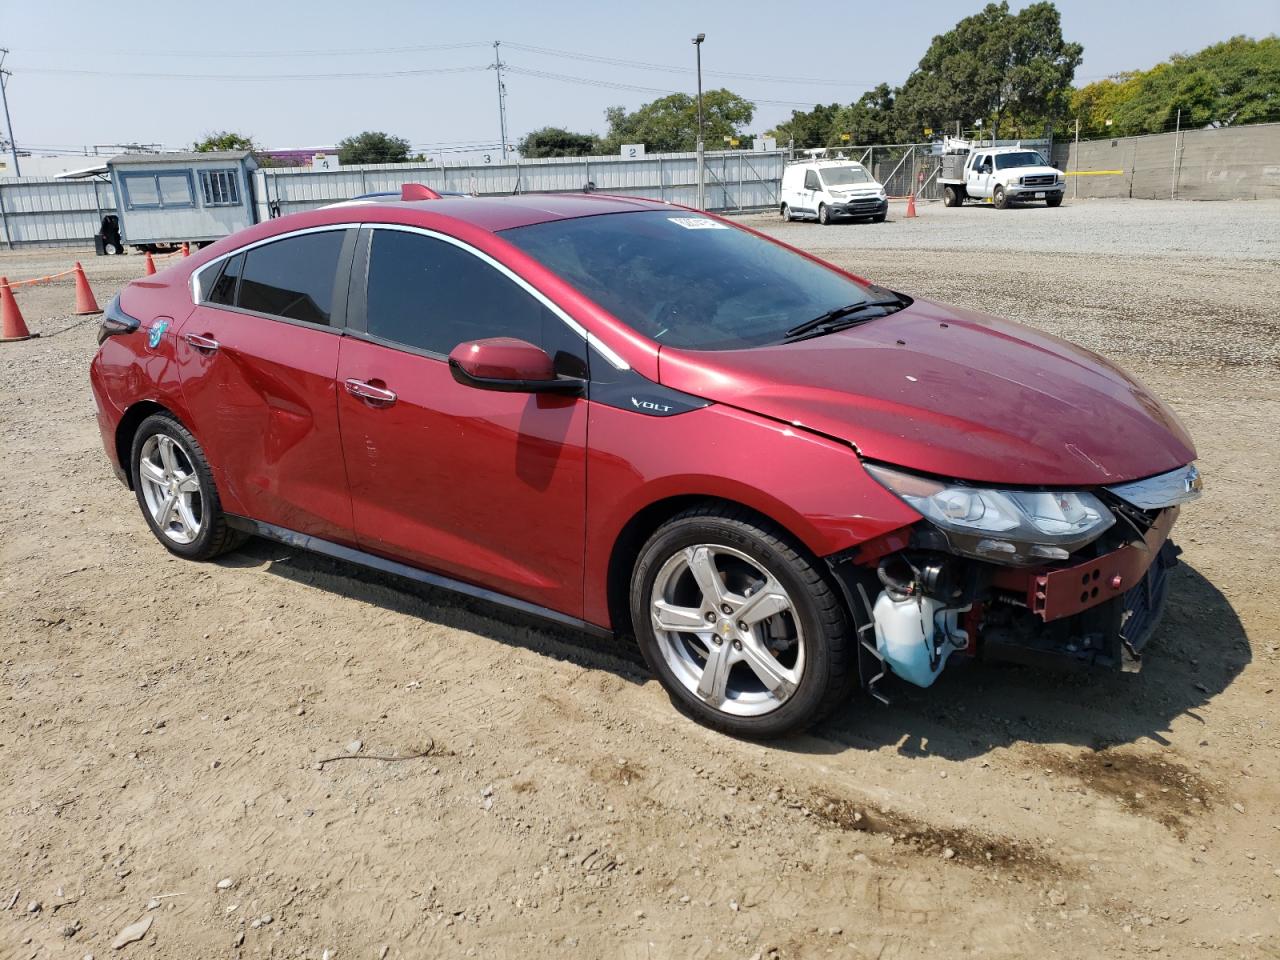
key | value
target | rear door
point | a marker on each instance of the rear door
(257, 358)
(483, 486)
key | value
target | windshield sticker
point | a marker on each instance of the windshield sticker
(156, 332)
(697, 223)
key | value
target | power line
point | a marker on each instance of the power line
(275, 54)
(257, 77)
(617, 85)
(666, 68)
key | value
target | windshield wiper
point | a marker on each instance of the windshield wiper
(832, 319)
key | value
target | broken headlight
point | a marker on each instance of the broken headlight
(1002, 526)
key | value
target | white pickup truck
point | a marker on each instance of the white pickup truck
(1003, 175)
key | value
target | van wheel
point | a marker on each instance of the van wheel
(879, 218)
(739, 624)
(999, 199)
(824, 215)
(950, 198)
(786, 213)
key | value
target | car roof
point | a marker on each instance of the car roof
(503, 213)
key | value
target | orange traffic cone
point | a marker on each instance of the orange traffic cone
(12, 326)
(911, 205)
(186, 249)
(151, 265)
(85, 303)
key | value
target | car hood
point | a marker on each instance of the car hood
(951, 392)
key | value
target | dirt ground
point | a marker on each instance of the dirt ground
(166, 727)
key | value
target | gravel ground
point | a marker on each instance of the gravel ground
(164, 725)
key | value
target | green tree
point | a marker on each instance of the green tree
(873, 119)
(556, 142)
(808, 128)
(990, 66)
(1096, 103)
(223, 140)
(1236, 81)
(671, 123)
(373, 146)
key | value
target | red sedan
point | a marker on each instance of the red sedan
(634, 418)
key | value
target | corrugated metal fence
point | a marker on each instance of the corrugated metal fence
(736, 180)
(52, 212)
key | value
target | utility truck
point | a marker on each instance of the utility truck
(1002, 175)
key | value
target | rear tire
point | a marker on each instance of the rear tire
(787, 669)
(999, 199)
(951, 197)
(175, 490)
(824, 215)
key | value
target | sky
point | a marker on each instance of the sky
(306, 74)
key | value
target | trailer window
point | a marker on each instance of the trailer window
(221, 188)
(171, 189)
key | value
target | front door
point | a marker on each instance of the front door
(979, 184)
(257, 359)
(483, 486)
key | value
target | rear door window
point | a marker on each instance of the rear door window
(224, 288)
(293, 278)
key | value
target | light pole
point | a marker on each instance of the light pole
(702, 164)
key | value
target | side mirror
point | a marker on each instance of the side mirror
(510, 366)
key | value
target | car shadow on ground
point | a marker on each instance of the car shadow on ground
(973, 708)
(443, 607)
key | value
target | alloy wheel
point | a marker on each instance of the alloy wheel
(171, 488)
(727, 629)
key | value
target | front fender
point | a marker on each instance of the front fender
(811, 485)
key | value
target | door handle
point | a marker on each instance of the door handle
(201, 343)
(370, 392)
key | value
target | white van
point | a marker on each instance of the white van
(823, 190)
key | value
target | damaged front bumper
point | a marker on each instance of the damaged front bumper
(917, 605)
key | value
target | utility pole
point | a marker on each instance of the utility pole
(1075, 184)
(702, 156)
(502, 98)
(8, 124)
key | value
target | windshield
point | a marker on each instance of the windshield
(843, 176)
(1027, 158)
(686, 280)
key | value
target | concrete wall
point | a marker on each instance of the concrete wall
(1229, 163)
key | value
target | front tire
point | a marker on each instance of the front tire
(786, 214)
(175, 490)
(999, 198)
(740, 627)
(824, 215)
(1053, 201)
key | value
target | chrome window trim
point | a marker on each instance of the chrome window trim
(600, 346)
(1163, 490)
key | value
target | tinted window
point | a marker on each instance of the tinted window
(293, 278)
(432, 295)
(224, 288)
(810, 180)
(686, 280)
